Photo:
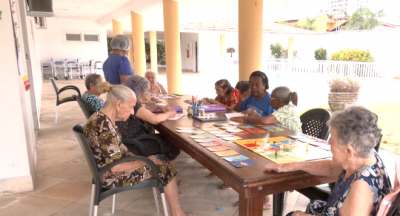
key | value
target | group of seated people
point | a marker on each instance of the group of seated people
(362, 178)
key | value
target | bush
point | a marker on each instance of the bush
(345, 84)
(352, 55)
(285, 53)
(276, 50)
(320, 54)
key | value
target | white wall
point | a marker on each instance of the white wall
(188, 64)
(51, 44)
(17, 140)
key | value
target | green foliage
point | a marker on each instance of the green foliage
(363, 19)
(276, 50)
(160, 49)
(108, 45)
(352, 55)
(309, 25)
(345, 84)
(285, 53)
(320, 54)
(282, 22)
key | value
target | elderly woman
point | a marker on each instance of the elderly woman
(117, 67)
(363, 180)
(285, 103)
(155, 87)
(227, 96)
(92, 95)
(257, 97)
(105, 142)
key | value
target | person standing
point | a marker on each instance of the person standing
(117, 66)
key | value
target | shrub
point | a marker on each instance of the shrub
(285, 53)
(352, 55)
(320, 54)
(345, 84)
(276, 50)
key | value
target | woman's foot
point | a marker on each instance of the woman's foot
(266, 204)
(225, 186)
(181, 183)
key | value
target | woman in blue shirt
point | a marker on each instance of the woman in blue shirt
(117, 67)
(257, 97)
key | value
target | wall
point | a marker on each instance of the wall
(188, 39)
(18, 152)
(50, 41)
(209, 52)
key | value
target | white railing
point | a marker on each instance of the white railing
(327, 68)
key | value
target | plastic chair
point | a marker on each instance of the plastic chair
(86, 108)
(99, 193)
(395, 208)
(242, 86)
(314, 123)
(66, 99)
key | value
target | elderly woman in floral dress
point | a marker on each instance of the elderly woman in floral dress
(362, 178)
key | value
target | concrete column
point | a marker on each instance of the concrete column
(172, 46)
(117, 28)
(130, 54)
(290, 48)
(222, 45)
(153, 50)
(139, 53)
(250, 37)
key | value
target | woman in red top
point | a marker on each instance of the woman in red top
(226, 95)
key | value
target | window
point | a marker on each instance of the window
(73, 37)
(81, 37)
(91, 38)
(40, 23)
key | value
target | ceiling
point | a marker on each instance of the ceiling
(103, 11)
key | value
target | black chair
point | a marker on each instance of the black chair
(99, 193)
(242, 86)
(66, 99)
(86, 108)
(313, 124)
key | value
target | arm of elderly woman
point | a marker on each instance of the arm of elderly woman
(145, 115)
(321, 168)
(359, 200)
(134, 165)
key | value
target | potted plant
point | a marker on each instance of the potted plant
(343, 93)
(320, 54)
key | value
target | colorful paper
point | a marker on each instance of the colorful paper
(244, 163)
(206, 144)
(226, 153)
(236, 158)
(204, 140)
(232, 138)
(218, 148)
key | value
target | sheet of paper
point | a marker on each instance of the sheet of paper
(218, 148)
(204, 140)
(226, 153)
(232, 138)
(244, 163)
(206, 144)
(176, 117)
(236, 158)
(231, 115)
(224, 135)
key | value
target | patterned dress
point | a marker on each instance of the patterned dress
(288, 117)
(233, 98)
(132, 128)
(106, 145)
(96, 103)
(375, 176)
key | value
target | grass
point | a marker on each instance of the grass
(389, 122)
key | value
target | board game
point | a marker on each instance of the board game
(209, 118)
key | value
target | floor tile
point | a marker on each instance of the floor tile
(208, 207)
(194, 186)
(34, 206)
(182, 162)
(122, 199)
(43, 182)
(70, 190)
(213, 192)
(67, 169)
(10, 199)
(77, 209)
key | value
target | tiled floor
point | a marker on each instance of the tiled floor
(63, 179)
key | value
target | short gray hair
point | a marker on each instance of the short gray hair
(116, 92)
(137, 83)
(91, 79)
(358, 127)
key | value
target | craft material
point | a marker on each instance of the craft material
(218, 148)
(219, 208)
(226, 153)
(231, 115)
(236, 158)
(244, 163)
(204, 140)
(207, 144)
(232, 138)
(176, 117)
(209, 118)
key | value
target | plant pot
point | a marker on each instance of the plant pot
(341, 100)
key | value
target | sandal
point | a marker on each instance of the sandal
(225, 186)
(181, 183)
(267, 206)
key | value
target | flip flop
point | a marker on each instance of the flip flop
(225, 187)
(267, 206)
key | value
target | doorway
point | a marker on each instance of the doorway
(194, 54)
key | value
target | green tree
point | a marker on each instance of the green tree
(320, 54)
(309, 25)
(160, 49)
(362, 19)
(276, 50)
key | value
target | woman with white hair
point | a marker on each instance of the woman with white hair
(363, 181)
(117, 67)
(105, 142)
(155, 87)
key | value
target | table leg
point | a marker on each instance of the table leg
(251, 206)
(278, 204)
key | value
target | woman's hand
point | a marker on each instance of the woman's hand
(251, 112)
(245, 95)
(156, 160)
(164, 109)
(287, 167)
(212, 101)
(237, 119)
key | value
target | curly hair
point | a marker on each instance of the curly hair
(138, 84)
(358, 127)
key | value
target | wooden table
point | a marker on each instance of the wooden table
(252, 183)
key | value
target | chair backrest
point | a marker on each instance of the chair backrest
(314, 123)
(242, 86)
(78, 131)
(86, 108)
(54, 85)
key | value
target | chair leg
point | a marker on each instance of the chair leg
(156, 200)
(95, 210)
(92, 200)
(164, 204)
(56, 114)
(278, 204)
(113, 204)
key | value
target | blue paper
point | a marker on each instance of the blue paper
(245, 126)
(287, 142)
(236, 158)
(275, 145)
(244, 163)
(268, 127)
